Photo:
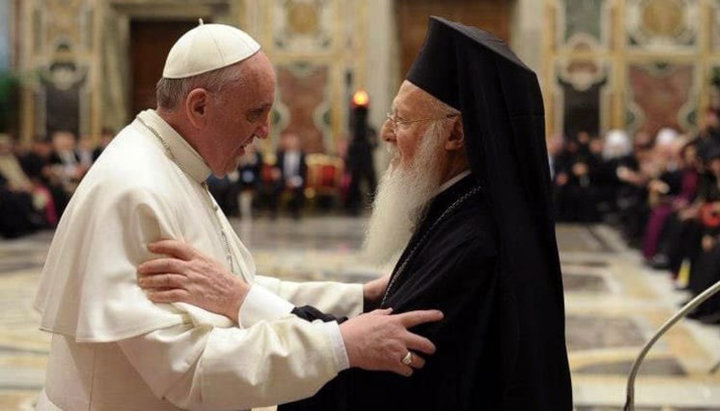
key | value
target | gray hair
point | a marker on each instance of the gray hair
(440, 107)
(169, 93)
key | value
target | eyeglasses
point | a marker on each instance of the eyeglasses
(395, 122)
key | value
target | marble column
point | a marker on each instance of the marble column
(5, 35)
(526, 32)
(383, 59)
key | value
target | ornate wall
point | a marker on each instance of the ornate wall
(77, 51)
(6, 11)
(633, 64)
(57, 50)
(413, 15)
(319, 50)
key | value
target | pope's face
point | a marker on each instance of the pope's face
(240, 113)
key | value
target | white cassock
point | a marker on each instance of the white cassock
(113, 349)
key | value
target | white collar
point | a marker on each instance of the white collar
(184, 155)
(451, 182)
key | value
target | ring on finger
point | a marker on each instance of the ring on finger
(407, 359)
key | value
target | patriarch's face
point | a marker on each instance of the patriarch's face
(402, 132)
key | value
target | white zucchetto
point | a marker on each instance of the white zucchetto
(208, 47)
(666, 136)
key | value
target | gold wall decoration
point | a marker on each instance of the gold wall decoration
(657, 55)
(662, 24)
(323, 36)
(661, 95)
(303, 25)
(303, 18)
(57, 52)
(93, 37)
(714, 22)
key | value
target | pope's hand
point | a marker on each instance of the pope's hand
(374, 290)
(186, 275)
(379, 341)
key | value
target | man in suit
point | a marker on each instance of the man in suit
(292, 174)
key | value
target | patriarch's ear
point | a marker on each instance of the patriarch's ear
(456, 139)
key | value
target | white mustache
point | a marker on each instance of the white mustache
(400, 202)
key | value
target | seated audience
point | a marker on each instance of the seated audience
(85, 152)
(105, 138)
(65, 169)
(705, 268)
(616, 152)
(37, 166)
(662, 193)
(709, 135)
(663, 188)
(23, 205)
(574, 170)
(632, 200)
(672, 233)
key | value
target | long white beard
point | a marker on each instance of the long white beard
(403, 195)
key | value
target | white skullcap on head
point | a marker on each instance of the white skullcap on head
(666, 136)
(208, 47)
(617, 144)
(617, 137)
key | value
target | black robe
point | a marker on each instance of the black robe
(492, 265)
(482, 356)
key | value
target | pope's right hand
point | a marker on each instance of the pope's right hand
(379, 341)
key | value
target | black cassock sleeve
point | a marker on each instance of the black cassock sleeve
(310, 313)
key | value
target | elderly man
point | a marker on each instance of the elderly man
(112, 347)
(467, 196)
(471, 172)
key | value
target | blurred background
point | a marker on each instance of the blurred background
(632, 93)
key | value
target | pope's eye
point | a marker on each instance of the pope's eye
(254, 115)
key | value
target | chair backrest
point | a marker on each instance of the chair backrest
(268, 166)
(325, 172)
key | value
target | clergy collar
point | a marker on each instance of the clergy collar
(184, 155)
(451, 182)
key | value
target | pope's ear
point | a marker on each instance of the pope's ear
(456, 140)
(196, 107)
